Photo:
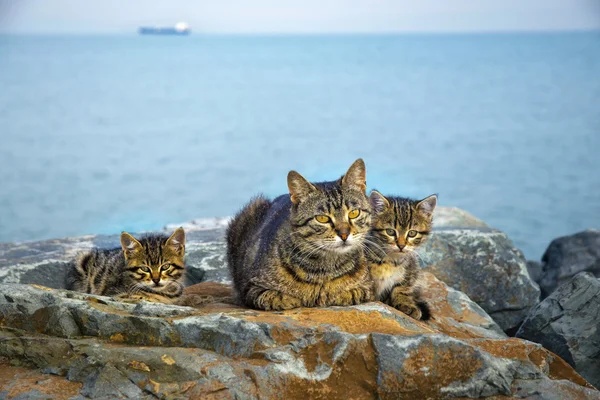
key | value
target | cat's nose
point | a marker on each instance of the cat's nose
(401, 246)
(343, 233)
(156, 280)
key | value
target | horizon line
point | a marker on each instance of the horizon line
(306, 33)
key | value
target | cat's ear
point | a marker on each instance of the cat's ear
(356, 175)
(130, 245)
(427, 205)
(378, 201)
(299, 187)
(176, 241)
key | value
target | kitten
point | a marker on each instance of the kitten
(305, 249)
(398, 228)
(151, 268)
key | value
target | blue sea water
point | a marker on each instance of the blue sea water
(109, 133)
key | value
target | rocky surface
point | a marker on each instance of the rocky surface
(568, 323)
(109, 349)
(568, 256)
(464, 253)
(484, 264)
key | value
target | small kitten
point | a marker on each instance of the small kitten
(399, 227)
(305, 248)
(151, 268)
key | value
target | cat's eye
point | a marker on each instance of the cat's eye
(353, 214)
(390, 232)
(165, 267)
(322, 219)
(145, 269)
(412, 233)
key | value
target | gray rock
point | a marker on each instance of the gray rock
(567, 256)
(145, 350)
(535, 270)
(568, 323)
(484, 264)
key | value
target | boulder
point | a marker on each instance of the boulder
(109, 349)
(568, 256)
(484, 264)
(568, 323)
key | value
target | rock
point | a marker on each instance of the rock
(219, 350)
(567, 256)
(456, 218)
(484, 264)
(535, 270)
(568, 323)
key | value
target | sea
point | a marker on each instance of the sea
(100, 134)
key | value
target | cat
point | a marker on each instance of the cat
(151, 268)
(399, 226)
(304, 249)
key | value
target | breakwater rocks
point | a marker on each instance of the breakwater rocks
(95, 347)
(109, 349)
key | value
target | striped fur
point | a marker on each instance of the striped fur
(399, 227)
(281, 256)
(152, 266)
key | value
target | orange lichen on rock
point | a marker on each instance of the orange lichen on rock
(19, 381)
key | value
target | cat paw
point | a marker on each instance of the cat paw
(136, 298)
(272, 300)
(406, 305)
(351, 297)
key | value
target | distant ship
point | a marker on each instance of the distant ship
(180, 28)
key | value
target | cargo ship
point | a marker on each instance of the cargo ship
(180, 28)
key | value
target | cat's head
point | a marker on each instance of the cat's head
(156, 260)
(331, 216)
(399, 224)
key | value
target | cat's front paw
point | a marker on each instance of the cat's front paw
(351, 297)
(406, 305)
(152, 297)
(273, 300)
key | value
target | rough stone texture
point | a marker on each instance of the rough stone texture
(567, 256)
(568, 323)
(219, 350)
(463, 252)
(484, 264)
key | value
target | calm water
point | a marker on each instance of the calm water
(101, 134)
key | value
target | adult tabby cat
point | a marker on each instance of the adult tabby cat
(305, 248)
(399, 227)
(150, 268)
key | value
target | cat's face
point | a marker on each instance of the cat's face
(332, 216)
(400, 225)
(154, 262)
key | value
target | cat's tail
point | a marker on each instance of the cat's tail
(240, 231)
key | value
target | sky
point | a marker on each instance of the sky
(299, 16)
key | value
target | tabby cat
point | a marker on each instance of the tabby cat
(150, 268)
(399, 227)
(305, 248)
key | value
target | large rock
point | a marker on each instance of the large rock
(568, 323)
(568, 256)
(484, 264)
(219, 350)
